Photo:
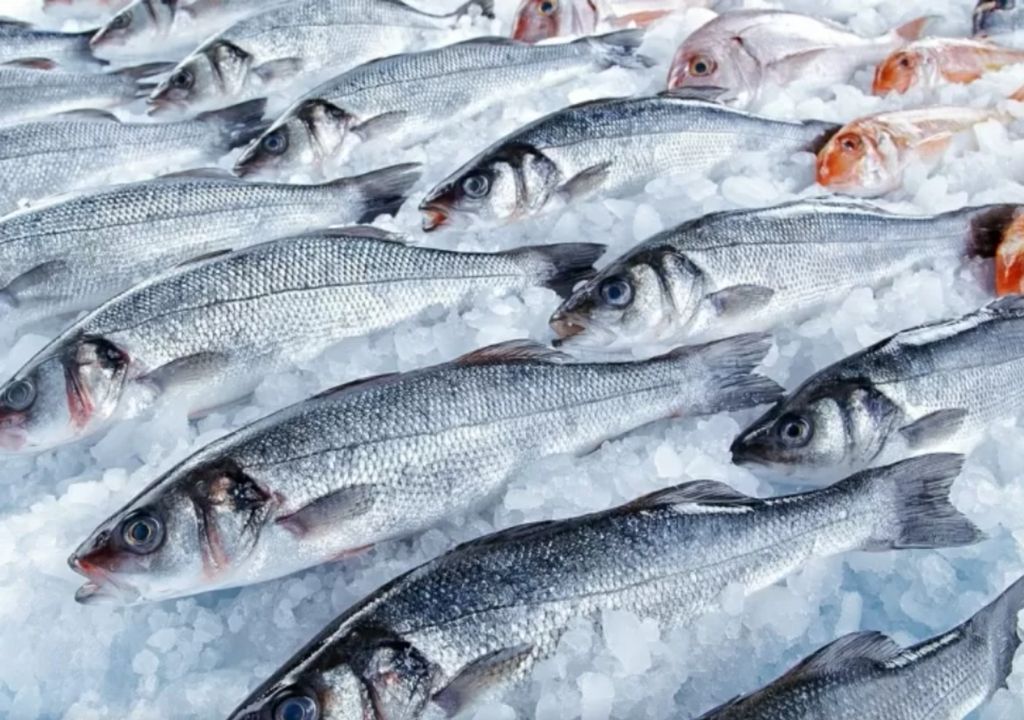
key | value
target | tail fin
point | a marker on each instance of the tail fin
(383, 191)
(996, 625)
(619, 49)
(239, 124)
(559, 267)
(915, 29)
(915, 508)
(731, 362)
(83, 49)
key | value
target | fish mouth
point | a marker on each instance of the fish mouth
(13, 435)
(434, 216)
(100, 586)
(565, 327)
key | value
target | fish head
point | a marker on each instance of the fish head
(859, 160)
(301, 141)
(901, 70)
(140, 21)
(994, 17)
(65, 392)
(649, 295)
(722, 63)
(538, 20)
(191, 530)
(207, 78)
(508, 182)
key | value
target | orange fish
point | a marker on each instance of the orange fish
(1010, 259)
(930, 62)
(538, 20)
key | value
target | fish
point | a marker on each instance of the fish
(476, 619)
(606, 147)
(281, 49)
(411, 97)
(77, 252)
(25, 44)
(752, 269)
(747, 51)
(205, 333)
(89, 148)
(929, 63)
(998, 17)
(932, 387)
(538, 20)
(169, 29)
(869, 676)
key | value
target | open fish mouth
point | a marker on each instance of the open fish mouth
(566, 327)
(101, 587)
(434, 217)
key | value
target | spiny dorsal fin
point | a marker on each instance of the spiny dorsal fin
(859, 647)
(214, 173)
(204, 257)
(88, 114)
(698, 493)
(358, 384)
(365, 231)
(512, 351)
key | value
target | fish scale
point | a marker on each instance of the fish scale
(28, 93)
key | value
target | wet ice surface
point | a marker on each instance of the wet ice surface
(198, 657)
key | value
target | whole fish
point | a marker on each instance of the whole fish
(209, 331)
(414, 96)
(21, 42)
(91, 148)
(746, 51)
(998, 17)
(537, 20)
(741, 270)
(868, 676)
(286, 47)
(607, 147)
(385, 457)
(478, 617)
(74, 253)
(169, 29)
(929, 63)
(937, 386)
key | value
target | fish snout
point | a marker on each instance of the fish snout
(566, 325)
(96, 560)
(434, 216)
(13, 433)
(747, 448)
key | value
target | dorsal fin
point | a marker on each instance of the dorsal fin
(88, 114)
(365, 231)
(698, 493)
(512, 351)
(358, 384)
(214, 173)
(204, 257)
(866, 646)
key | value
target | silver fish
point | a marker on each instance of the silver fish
(998, 17)
(867, 676)
(74, 253)
(282, 48)
(931, 387)
(478, 617)
(414, 96)
(89, 148)
(744, 270)
(207, 332)
(608, 147)
(23, 43)
(389, 456)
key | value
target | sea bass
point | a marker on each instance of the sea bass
(742, 270)
(90, 148)
(937, 386)
(207, 332)
(867, 676)
(25, 44)
(929, 63)
(385, 457)
(285, 49)
(998, 17)
(74, 253)
(608, 147)
(407, 98)
(478, 617)
(747, 51)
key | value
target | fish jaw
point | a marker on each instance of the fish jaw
(13, 433)
(101, 586)
(434, 217)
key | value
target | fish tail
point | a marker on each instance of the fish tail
(239, 124)
(384, 191)
(619, 49)
(914, 509)
(559, 267)
(996, 625)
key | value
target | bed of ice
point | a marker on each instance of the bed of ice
(196, 658)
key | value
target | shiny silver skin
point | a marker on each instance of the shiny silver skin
(407, 98)
(289, 48)
(90, 148)
(478, 617)
(743, 270)
(389, 456)
(20, 41)
(867, 676)
(936, 386)
(206, 333)
(606, 147)
(998, 18)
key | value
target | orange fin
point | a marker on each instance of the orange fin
(640, 19)
(915, 29)
(1010, 259)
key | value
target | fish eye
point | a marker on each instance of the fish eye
(702, 65)
(296, 707)
(794, 431)
(850, 143)
(275, 143)
(142, 532)
(617, 292)
(548, 6)
(19, 395)
(182, 80)
(476, 186)
(905, 62)
(121, 20)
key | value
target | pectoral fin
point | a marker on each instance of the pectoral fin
(329, 510)
(186, 370)
(380, 125)
(933, 428)
(42, 274)
(585, 182)
(740, 299)
(278, 69)
(482, 674)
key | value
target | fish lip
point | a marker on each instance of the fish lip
(13, 435)
(434, 217)
(565, 327)
(100, 585)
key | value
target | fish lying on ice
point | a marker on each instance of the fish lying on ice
(407, 98)
(742, 270)
(389, 456)
(867, 676)
(937, 386)
(537, 20)
(929, 63)
(478, 617)
(206, 333)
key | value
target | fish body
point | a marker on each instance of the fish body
(868, 676)
(744, 52)
(931, 62)
(416, 95)
(21, 42)
(742, 270)
(207, 332)
(479, 616)
(287, 47)
(998, 17)
(389, 456)
(90, 148)
(605, 147)
(937, 386)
